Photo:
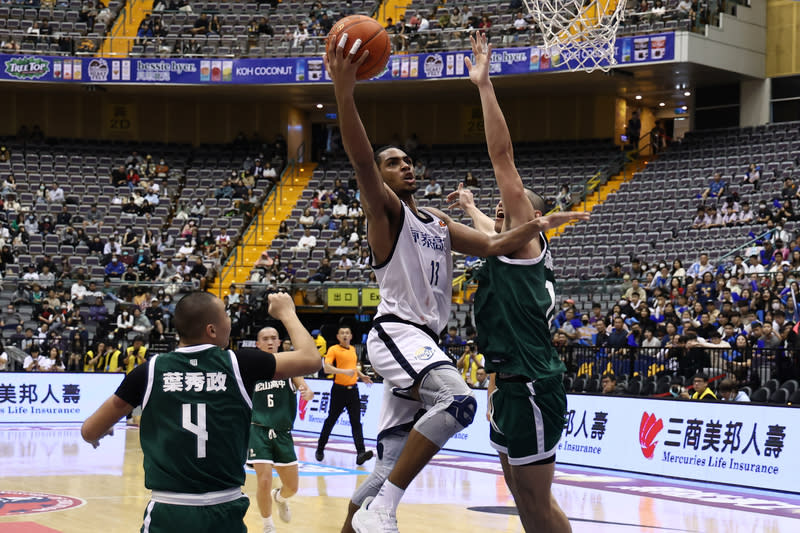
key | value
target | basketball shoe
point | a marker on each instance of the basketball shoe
(378, 520)
(283, 507)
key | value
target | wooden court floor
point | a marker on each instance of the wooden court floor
(456, 494)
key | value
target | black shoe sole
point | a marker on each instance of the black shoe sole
(319, 455)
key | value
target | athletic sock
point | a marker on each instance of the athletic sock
(389, 496)
(279, 498)
(268, 523)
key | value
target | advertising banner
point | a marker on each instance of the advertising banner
(733, 443)
(738, 444)
(53, 396)
(311, 415)
(291, 70)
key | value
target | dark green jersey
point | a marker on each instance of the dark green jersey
(275, 404)
(514, 305)
(195, 421)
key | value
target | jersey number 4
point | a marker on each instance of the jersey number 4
(199, 428)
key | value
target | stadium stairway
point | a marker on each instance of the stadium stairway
(126, 26)
(260, 233)
(601, 194)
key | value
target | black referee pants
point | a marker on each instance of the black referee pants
(342, 398)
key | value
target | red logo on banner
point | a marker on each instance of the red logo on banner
(302, 406)
(14, 503)
(649, 429)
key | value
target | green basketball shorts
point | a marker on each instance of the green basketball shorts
(168, 518)
(269, 446)
(527, 419)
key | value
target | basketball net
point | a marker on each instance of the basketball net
(580, 33)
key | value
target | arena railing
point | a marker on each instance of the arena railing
(274, 197)
(674, 366)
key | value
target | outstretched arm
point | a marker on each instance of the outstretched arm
(463, 198)
(102, 421)
(470, 241)
(376, 198)
(516, 207)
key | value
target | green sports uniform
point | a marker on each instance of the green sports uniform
(514, 305)
(194, 431)
(274, 410)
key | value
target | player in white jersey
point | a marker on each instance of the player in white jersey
(410, 248)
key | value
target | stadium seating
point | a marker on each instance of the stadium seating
(655, 225)
(69, 24)
(544, 167)
(82, 170)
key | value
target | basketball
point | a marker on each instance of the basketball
(373, 38)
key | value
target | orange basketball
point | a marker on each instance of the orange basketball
(373, 38)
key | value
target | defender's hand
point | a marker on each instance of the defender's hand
(482, 52)
(461, 198)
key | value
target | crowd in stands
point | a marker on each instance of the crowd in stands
(258, 29)
(103, 259)
(60, 26)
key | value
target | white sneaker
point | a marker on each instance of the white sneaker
(270, 529)
(283, 507)
(377, 520)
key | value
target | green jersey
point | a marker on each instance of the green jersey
(195, 421)
(275, 404)
(514, 305)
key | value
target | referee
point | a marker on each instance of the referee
(344, 394)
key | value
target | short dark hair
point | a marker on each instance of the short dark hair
(728, 385)
(536, 201)
(193, 313)
(702, 376)
(382, 149)
(609, 375)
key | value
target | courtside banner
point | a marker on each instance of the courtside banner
(311, 415)
(53, 396)
(735, 443)
(629, 51)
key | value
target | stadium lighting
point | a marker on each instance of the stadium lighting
(638, 96)
(687, 93)
(686, 107)
(661, 104)
(319, 106)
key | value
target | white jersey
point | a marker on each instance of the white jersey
(416, 280)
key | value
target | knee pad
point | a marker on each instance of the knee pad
(450, 403)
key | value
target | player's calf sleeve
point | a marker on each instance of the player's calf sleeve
(388, 448)
(450, 405)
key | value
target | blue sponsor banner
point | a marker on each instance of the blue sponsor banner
(286, 70)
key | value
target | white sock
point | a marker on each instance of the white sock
(268, 523)
(389, 496)
(279, 498)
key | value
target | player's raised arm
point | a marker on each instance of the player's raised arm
(304, 359)
(377, 200)
(516, 207)
(470, 241)
(463, 198)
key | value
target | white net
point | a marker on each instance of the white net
(579, 33)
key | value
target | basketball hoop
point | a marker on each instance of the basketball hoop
(579, 33)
